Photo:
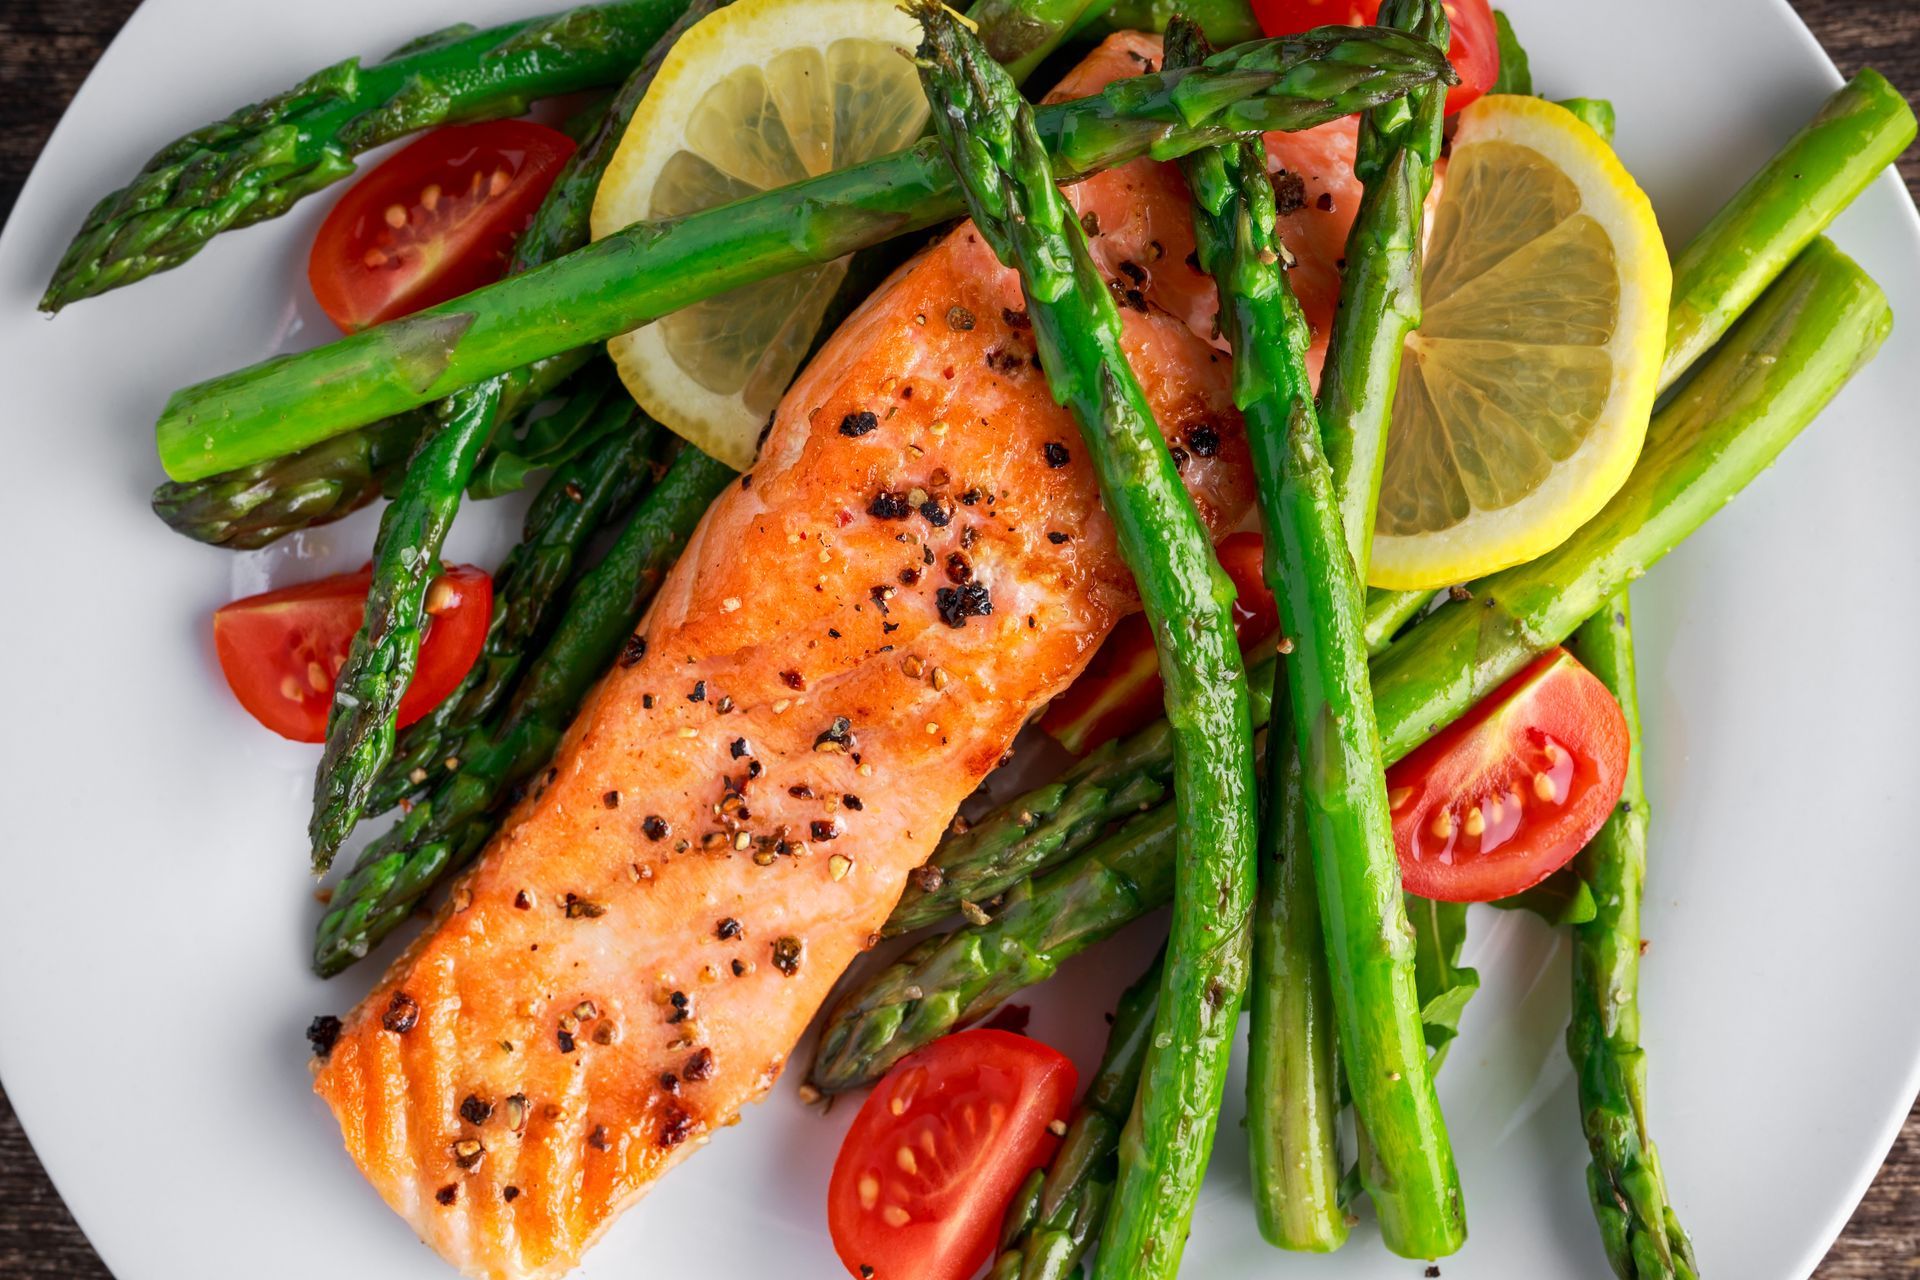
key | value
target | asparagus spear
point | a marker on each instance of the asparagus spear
(954, 978)
(1021, 33)
(1380, 291)
(995, 854)
(381, 659)
(1053, 1217)
(254, 504)
(575, 504)
(987, 132)
(1223, 21)
(1859, 131)
(1389, 611)
(652, 268)
(1643, 1237)
(1822, 320)
(452, 823)
(251, 506)
(1047, 825)
(258, 161)
(1292, 1086)
(1316, 539)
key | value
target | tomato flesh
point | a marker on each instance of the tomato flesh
(1509, 793)
(1474, 49)
(435, 220)
(938, 1150)
(281, 650)
(1120, 691)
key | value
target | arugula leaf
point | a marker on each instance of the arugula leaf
(1442, 984)
(1516, 76)
(1561, 899)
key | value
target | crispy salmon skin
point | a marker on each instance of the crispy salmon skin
(857, 631)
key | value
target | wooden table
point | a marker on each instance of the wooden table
(48, 46)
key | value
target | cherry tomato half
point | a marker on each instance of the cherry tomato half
(937, 1151)
(433, 221)
(1120, 690)
(1474, 49)
(281, 650)
(1506, 795)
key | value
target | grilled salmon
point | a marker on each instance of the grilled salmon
(856, 632)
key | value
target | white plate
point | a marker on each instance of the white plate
(155, 910)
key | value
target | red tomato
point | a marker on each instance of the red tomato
(433, 221)
(1506, 795)
(1474, 49)
(281, 650)
(1120, 691)
(937, 1151)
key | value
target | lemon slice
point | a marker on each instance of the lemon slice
(1525, 393)
(758, 95)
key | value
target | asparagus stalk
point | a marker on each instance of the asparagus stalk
(986, 130)
(261, 159)
(1859, 131)
(381, 659)
(380, 662)
(453, 822)
(1047, 825)
(1388, 612)
(652, 268)
(1380, 290)
(1821, 321)
(1021, 33)
(1224, 22)
(1053, 1217)
(974, 867)
(1293, 1067)
(575, 504)
(954, 978)
(1316, 537)
(1370, 997)
(252, 506)
(1643, 1237)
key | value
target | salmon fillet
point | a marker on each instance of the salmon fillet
(856, 633)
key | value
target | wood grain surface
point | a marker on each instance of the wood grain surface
(46, 49)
